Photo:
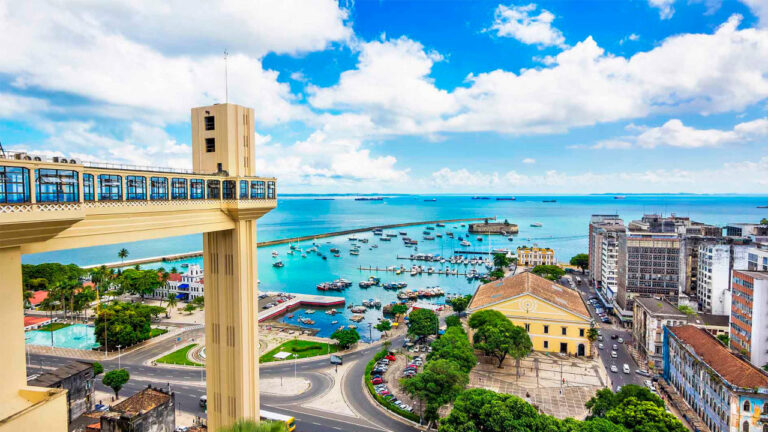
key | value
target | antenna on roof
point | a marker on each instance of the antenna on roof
(2, 150)
(226, 80)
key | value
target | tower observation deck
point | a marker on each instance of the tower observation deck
(60, 203)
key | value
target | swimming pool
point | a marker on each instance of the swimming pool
(77, 336)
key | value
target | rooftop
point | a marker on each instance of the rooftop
(658, 307)
(32, 320)
(38, 297)
(504, 289)
(143, 401)
(736, 371)
(754, 273)
(52, 378)
(716, 320)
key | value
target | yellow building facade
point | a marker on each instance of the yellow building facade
(555, 317)
(60, 203)
(533, 256)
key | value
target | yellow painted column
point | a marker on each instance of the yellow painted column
(231, 324)
(13, 372)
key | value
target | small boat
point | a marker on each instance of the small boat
(506, 199)
(430, 200)
(440, 225)
(465, 243)
(334, 322)
(429, 237)
(385, 238)
(403, 233)
(325, 257)
(185, 265)
(290, 316)
(309, 311)
(352, 238)
(511, 238)
(548, 201)
(336, 255)
(765, 207)
(274, 253)
(363, 240)
(623, 197)
(331, 312)
(334, 250)
(537, 225)
(354, 252)
(377, 232)
(479, 238)
(352, 326)
(303, 255)
(278, 264)
(431, 228)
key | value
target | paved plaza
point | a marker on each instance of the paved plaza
(556, 386)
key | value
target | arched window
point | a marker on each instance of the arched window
(746, 405)
(745, 426)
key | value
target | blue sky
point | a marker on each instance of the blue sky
(563, 96)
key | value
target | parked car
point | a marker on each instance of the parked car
(649, 384)
(615, 347)
(614, 354)
(599, 346)
(626, 369)
(621, 340)
(390, 357)
(377, 380)
(643, 372)
(614, 369)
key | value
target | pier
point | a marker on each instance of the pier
(185, 255)
(298, 301)
(408, 271)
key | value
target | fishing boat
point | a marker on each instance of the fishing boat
(363, 240)
(429, 237)
(431, 228)
(278, 264)
(439, 235)
(391, 235)
(537, 225)
(352, 238)
(374, 246)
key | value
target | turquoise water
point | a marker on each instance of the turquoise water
(564, 229)
(77, 336)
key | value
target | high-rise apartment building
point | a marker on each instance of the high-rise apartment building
(757, 258)
(604, 232)
(649, 265)
(713, 287)
(749, 315)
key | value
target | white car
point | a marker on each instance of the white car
(626, 369)
(614, 369)
(613, 354)
(599, 346)
(649, 384)
(621, 340)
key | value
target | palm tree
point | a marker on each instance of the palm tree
(123, 254)
(174, 270)
(172, 302)
(252, 426)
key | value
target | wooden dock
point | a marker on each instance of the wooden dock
(407, 271)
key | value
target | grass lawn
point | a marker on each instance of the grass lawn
(179, 357)
(54, 326)
(157, 332)
(302, 348)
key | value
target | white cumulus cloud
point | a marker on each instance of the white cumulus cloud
(664, 6)
(522, 23)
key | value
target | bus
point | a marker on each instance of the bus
(272, 416)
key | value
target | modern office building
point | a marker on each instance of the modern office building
(596, 222)
(533, 256)
(715, 262)
(749, 315)
(757, 258)
(649, 265)
(555, 316)
(62, 203)
(726, 392)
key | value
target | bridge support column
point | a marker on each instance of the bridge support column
(231, 324)
(22, 408)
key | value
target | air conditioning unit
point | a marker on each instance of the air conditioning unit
(74, 161)
(20, 155)
(60, 159)
(37, 159)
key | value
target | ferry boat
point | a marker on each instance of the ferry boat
(537, 225)
(278, 264)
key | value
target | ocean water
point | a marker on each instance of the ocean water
(564, 228)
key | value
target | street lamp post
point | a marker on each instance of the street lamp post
(118, 356)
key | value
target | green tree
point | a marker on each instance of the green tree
(500, 261)
(384, 326)
(422, 322)
(439, 384)
(199, 301)
(46, 275)
(189, 308)
(174, 270)
(124, 324)
(764, 221)
(97, 368)
(592, 425)
(454, 345)
(581, 261)
(399, 309)
(452, 321)
(459, 304)
(122, 254)
(551, 272)
(606, 400)
(171, 303)
(644, 416)
(140, 282)
(503, 338)
(116, 379)
(725, 339)
(686, 310)
(483, 317)
(480, 410)
(346, 337)
(252, 426)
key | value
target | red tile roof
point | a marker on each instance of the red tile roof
(736, 371)
(174, 277)
(89, 285)
(504, 289)
(38, 297)
(33, 320)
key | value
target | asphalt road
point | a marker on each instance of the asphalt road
(608, 330)
(189, 386)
